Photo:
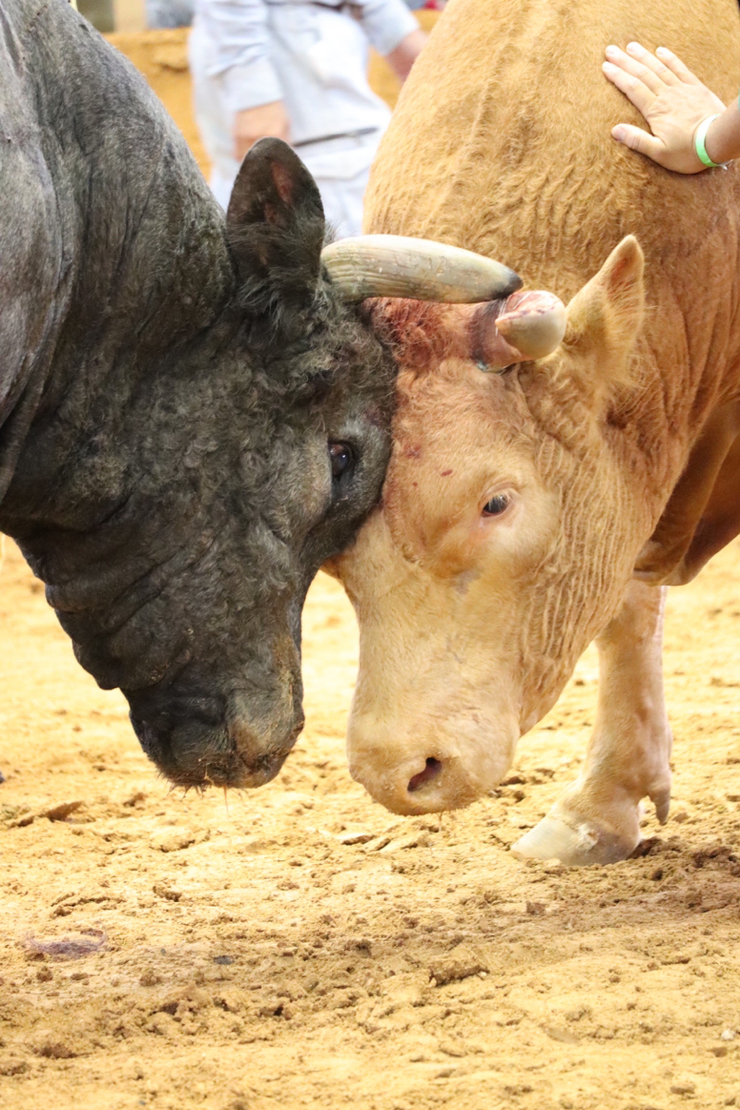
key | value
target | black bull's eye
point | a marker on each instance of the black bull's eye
(496, 505)
(341, 459)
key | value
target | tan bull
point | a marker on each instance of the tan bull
(528, 511)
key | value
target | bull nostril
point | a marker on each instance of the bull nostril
(432, 769)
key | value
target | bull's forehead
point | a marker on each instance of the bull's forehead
(456, 407)
(460, 436)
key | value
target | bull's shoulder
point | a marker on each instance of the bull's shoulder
(30, 232)
(106, 220)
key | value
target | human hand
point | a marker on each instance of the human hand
(252, 124)
(672, 100)
(405, 54)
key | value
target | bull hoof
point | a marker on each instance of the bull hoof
(573, 841)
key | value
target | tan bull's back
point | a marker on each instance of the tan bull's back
(501, 142)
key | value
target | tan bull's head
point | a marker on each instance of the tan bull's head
(504, 541)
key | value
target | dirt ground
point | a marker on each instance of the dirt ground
(299, 947)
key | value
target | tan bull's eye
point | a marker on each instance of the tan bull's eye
(496, 505)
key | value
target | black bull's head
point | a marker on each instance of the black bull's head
(180, 528)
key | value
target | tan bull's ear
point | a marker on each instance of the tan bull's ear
(604, 318)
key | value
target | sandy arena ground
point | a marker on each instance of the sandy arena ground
(300, 947)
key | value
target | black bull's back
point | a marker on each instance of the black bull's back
(190, 420)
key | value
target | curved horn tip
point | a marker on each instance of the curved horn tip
(515, 284)
(400, 266)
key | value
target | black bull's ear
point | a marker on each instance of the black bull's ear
(275, 228)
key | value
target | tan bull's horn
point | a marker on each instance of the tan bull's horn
(533, 322)
(398, 266)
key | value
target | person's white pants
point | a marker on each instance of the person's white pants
(340, 166)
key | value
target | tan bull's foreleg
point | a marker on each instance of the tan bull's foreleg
(597, 818)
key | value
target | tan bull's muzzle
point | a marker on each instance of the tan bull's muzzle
(433, 772)
(418, 785)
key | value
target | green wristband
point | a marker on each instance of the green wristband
(699, 138)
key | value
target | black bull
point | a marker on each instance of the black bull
(191, 421)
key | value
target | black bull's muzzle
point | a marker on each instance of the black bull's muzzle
(239, 740)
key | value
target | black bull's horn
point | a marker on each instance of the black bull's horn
(398, 266)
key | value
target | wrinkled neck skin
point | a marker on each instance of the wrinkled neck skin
(122, 250)
(138, 268)
(132, 259)
(465, 645)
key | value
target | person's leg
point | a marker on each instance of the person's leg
(212, 116)
(342, 202)
(341, 168)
